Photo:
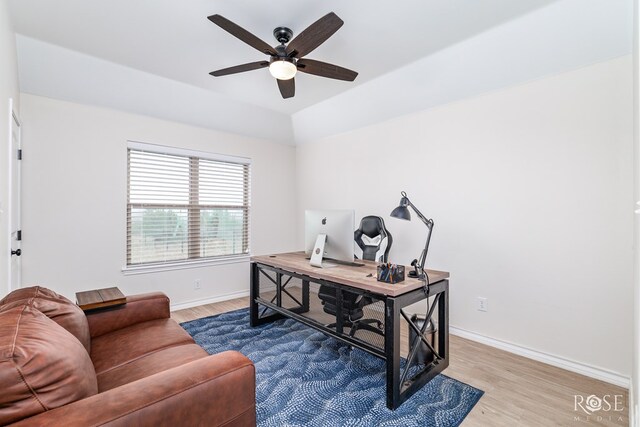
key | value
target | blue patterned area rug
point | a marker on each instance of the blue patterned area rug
(305, 378)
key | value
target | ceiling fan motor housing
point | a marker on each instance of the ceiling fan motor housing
(281, 51)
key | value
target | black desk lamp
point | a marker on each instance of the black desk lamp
(402, 212)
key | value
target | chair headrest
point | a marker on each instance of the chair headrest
(372, 226)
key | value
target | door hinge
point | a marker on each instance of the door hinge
(19, 235)
(20, 154)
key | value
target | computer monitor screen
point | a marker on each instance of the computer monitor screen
(337, 225)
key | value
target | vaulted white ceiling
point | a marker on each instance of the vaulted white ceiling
(139, 55)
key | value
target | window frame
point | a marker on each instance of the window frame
(193, 207)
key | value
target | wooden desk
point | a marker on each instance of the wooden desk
(100, 298)
(359, 280)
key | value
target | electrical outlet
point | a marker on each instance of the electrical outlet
(483, 304)
(196, 284)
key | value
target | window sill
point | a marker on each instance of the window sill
(183, 265)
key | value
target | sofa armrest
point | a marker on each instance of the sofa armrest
(138, 309)
(213, 391)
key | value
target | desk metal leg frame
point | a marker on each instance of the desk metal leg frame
(402, 384)
(259, 318)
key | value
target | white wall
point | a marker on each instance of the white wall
(531, 191)
(74, 199)
(8, 89)
(634, 396)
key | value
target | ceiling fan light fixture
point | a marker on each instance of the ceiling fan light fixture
(283, 69)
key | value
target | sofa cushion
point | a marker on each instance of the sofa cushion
(150, 364)
(124, 345)
(56, 307)
(42, 366)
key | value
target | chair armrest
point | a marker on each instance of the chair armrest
(212, 391)
(138, 309)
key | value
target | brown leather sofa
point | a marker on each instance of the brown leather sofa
(127, 366)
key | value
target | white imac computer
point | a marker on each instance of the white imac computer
(329, 235)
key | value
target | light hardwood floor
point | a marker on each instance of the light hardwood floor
(518, 391)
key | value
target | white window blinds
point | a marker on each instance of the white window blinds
(184, 205)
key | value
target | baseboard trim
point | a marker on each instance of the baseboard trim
(559, 362)
(210, 300)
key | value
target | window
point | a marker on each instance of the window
(185, 205)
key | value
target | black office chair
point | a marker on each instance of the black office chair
(373, 239)
(374, 243)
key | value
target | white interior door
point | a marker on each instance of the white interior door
(15, 231)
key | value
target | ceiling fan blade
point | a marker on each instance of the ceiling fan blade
(316, 34)
(242, 34)
(287, 88)
(324, 69)
(240, 68)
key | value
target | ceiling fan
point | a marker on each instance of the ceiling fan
(287, 58)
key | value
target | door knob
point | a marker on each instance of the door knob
(17, 252)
